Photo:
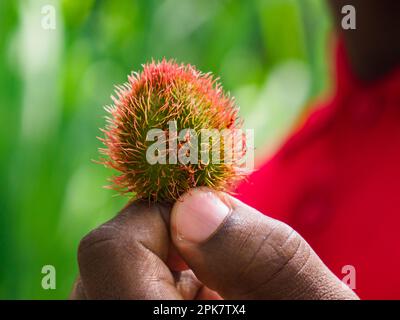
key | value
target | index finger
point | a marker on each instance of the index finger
(125, 258)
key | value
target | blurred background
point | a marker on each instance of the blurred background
(57, 74)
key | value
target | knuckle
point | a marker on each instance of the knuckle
(285, 244)
(273, 255)
(98, 242)
(292, 247)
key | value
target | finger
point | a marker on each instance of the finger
(243, 254)
(78, 292)
(192, 289)
(125, 258)
(206, 293)
(175, 261)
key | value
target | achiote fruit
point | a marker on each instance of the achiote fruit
(172, 128)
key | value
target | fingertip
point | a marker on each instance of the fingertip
(197, 215)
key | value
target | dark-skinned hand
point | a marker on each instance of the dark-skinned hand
(208, 246)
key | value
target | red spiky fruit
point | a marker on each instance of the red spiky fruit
(161, 94)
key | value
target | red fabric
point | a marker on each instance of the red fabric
(337, 182)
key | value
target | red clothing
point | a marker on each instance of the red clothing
(337, 182)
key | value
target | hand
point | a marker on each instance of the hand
(233, 251)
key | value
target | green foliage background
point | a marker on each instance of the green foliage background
(271, 54)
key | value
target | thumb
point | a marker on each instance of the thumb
(243, 254)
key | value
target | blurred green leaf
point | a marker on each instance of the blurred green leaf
(56, 82)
